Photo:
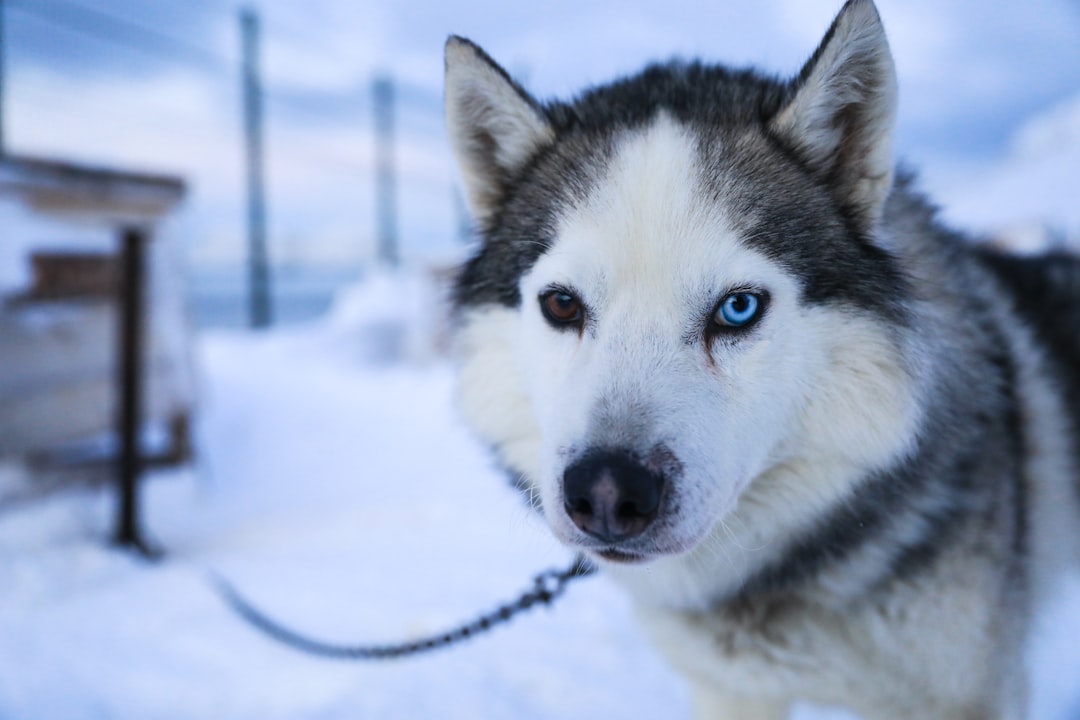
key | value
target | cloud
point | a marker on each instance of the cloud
(113, 37)
(1035, 184)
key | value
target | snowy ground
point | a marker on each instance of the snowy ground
(342, 495)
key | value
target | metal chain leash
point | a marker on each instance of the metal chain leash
(547, 586)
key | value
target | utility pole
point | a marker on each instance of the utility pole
(385, 172)
(3, 79)
(258, 264)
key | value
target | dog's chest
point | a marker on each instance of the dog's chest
(773, 649)
(877, 655)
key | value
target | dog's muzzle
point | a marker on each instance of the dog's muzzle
(611, 496)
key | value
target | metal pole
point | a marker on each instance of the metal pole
(3, 78)
(385, 172)
(129, 384)
(258, 265)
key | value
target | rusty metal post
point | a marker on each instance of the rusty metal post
(130, 312)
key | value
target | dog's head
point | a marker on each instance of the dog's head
(680, 296)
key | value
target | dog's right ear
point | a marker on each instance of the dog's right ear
(494, 125)
(840, 117)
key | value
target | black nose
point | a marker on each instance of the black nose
(610, 495)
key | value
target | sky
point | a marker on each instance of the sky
(989, 109)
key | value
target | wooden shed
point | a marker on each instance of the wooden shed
(93, 323)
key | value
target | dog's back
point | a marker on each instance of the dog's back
(1046, 292)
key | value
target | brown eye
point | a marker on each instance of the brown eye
(561, 308)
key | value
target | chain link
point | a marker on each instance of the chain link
(547, 586)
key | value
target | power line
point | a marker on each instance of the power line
(121, 31)
(111, 28)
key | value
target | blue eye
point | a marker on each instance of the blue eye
(737, 310)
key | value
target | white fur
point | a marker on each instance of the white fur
(491, 388)
(770, 429)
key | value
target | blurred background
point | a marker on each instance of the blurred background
(989, 108)
(267, 192)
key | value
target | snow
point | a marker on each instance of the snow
(338, 490)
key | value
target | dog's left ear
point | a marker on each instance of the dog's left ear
(841, 115)
(495, 126)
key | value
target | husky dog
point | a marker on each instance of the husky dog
(828, 446)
